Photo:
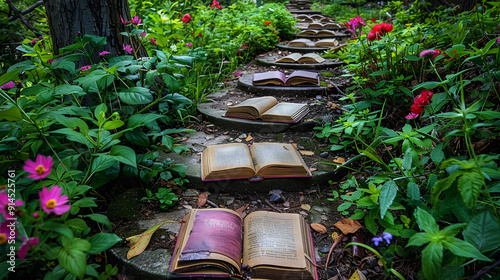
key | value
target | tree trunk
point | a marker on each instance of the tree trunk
(68, 18)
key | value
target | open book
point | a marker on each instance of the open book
(301, 58)
(308, 43)
(328, 25)
(260, 160)
(268, 109)
(274, 245)
(298, 77)
(321, 32)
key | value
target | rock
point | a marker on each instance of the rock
(324, 248)
(210, 137)
(242, 136)
(238, 140)
(324, 154)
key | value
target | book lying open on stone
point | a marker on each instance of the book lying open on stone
(328, 25)
(259, 161)
(308, 43)
(301, 58)
(264, 245)
(268, 109)
(320, 32)
(297, 78)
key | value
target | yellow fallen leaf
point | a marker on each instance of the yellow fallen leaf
(307, 153)
(138, 243)
(357, 275)
(348, 226)
(318, 227)
(295, 146)
(335, 235)
(306, 207)
(339, 160)
(249, 138)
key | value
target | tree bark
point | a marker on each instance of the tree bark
(69, 18)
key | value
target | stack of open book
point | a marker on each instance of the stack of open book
(297, 78)
(301, 58)
(321, 32)
(268, 109)
(308, 43)
(274, 246)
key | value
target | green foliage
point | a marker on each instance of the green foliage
(164, 196)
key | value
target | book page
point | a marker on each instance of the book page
(213, 231)
(293, 57)
(313, 57)
(273, 239)
(284, 109)
(267, 77)
(230, 155)
(261, 104)
(274, 153)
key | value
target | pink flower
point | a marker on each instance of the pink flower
(215, 4)
(27, 243)
(373, 20)
(128, 48)
(104, 53)
(33, 41)
(36, 215)
(237, 74)
(411, 116)
(189, 45)
(136, 20)
(86, 67)
(123, 21)
(49, 60)
(5, 233)
(7, 206)
(40, 168)
(8, 85)
(186, 18)
(153, 40)
(428, 52)
(498, 40)
(53, 201)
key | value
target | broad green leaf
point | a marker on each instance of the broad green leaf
(443, 185)
(136, 96)
(77, 224)
(11, 114)
(75, 136)
(102, 241)
(380, 73)
(75, 124)
(109, 125)
(483, 231)
(141, 119)
(413, 191)
(137, 137)
(344, 206)
(72, 256)
(437, 154)
(57, 227)
(387, 195)
(469, 186)
(100, 108)
(463, 248)
(425, 221)
(407, 160)
(124, 154)
(100, 218)
(9, 76)
(171, 82)
(102, 163)
(432, 257)
(66, 89)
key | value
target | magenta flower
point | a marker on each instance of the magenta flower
(128, 48)
(33, 41)
(136, 20)
(411, 116)
(50, 60)
(8, 85)
(85, 68)
(498, 40)
(40, 168)
(123, 21)
(7, 208)
(53, 201)
(153, 40)
(104, 53)
(27, 243)
(189, 45)
(5, 233)
(434, 53)
(186, 18)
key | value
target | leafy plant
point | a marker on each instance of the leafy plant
(163, 195)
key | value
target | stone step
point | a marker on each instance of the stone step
(301, 49)
(270, 61)
(245, 83)
(304, 11)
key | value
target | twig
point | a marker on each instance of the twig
(19, 15)
(331, 250)
(212, 204)
(272, 206)
(28, 10)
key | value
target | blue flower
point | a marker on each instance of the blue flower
(377, 239)
(387, 237)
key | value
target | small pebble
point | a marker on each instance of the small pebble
(238, 140)
(319, 97)
(163, 237)
(324, 154)
(242, 136)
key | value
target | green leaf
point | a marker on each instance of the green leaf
(75, 136)
(380, 73)
(443, 185)
(9, 76)
(437, 154)
(85, 202)
(463, 248)
(12, 114)
(66, 89)
(427, 85)
(469, 186)
(136, 96)
(419, 239)
(171, 82)
(344, 206)
(100, 218)
(109, 125)
(141, 120)
(137, 137)
(57, 227)
(413, 191)
(102, 241)
(75, 124)
(124, 154)
(387, 195)
(483, 231)
(72, 256)
(425, 221)
(102, 163)
(432, 257)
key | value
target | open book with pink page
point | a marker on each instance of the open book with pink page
(264, 245)
(255, 162)
(296, 78)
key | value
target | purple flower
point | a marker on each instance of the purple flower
(104, 53)
(498, 40)
(153, 40)
(52, 200)
(123, 21)
(50, 60)
(85, 68)
(411, 116)
(387, 237)
(39, 168)
(8, 85)
(136, 20)
(128, 48)
(33, 41)
(434, 53)
(27, 243)
(189, 45)
(377, 239)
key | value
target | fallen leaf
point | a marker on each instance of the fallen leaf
(306, 207)
(241, 211)
(339, 160)
(226, 133)
(357, 275)
(312, 169)
(295, 146)
(249, 138)
(318, 227)
(348, 226)
(307, 153)
(202, 199)
(335, 235)
(138, 243)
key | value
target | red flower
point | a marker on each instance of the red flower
(373, 20)
(186, 18)
(416, 109)
(373, 35)
(387, 27)
(423, 99)
(267, 22)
